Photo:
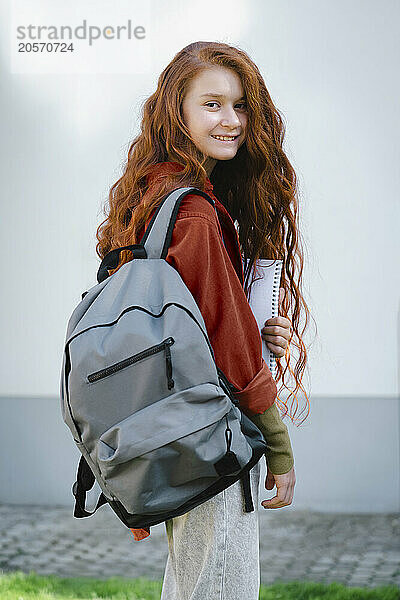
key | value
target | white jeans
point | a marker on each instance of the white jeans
(214, 548)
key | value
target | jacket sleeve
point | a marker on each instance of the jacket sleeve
(279, 453)
(197, 252)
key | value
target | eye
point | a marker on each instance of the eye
(244, 104)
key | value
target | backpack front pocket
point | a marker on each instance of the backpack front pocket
(164, 346)
(167, 450)
(162, 422)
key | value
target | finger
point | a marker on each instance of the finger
(276, 330)
(280, 339)
(277, 350)
(283, 324)
(275, 502)
(277, 340)
(279, 320)
(269, 480)
(284, 497)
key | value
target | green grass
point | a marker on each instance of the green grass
(20, 586)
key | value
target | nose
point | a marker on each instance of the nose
(230, 119)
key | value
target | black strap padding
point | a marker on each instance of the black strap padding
(248, 500)
(111, 259)
(84, 482)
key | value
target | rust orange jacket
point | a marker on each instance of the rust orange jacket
(213, 273)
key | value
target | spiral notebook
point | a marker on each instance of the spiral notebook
(264, 300)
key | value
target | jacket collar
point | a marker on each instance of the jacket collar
(166, 167)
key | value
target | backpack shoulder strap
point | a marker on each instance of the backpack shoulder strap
(157, 237)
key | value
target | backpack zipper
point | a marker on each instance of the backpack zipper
(163, 346)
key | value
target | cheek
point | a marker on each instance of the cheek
(243, 121)
(206, 122)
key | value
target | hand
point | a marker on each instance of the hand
(284, 489)
(276, 331)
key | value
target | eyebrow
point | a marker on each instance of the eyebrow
(216, 95)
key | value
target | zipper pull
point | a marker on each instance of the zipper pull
(168, 342)
(228, 436)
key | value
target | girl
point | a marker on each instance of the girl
(211, 124)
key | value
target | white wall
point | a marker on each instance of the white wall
(331, 71)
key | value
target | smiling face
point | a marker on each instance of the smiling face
(215, 106)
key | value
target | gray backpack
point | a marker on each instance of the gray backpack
(155, 420)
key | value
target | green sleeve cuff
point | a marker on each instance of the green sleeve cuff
(279, 453)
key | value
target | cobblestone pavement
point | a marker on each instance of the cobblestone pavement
(354, 549)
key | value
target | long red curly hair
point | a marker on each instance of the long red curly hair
(259, 172)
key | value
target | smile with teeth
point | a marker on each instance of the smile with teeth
(225, 138)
